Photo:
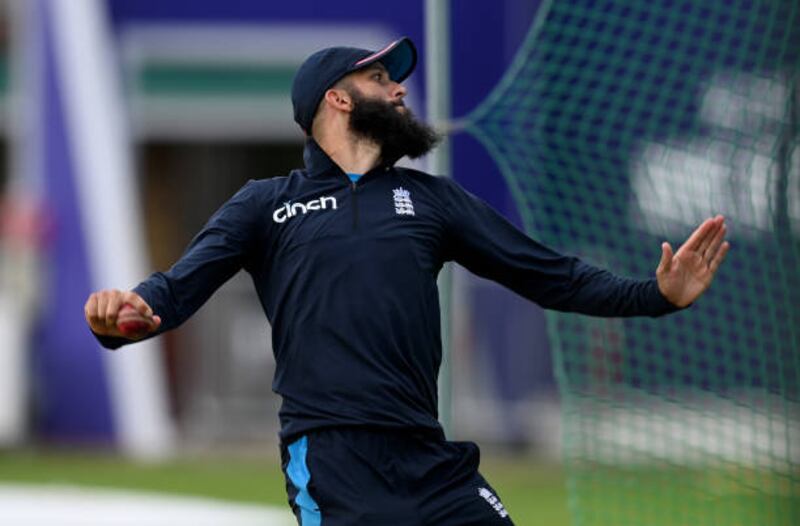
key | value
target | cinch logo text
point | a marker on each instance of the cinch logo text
(289, 210)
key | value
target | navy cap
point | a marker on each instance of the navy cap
(324, 68)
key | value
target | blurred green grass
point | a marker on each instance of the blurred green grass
(675, 496)
(534, 493)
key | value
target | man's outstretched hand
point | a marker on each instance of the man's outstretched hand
(102, 311)
(686, 274)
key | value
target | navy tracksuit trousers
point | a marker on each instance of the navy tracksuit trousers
(349, 476)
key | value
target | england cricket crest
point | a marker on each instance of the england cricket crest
(402, 202)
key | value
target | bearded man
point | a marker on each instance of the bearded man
(344, 255)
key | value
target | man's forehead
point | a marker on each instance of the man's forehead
(366, 71)
(375, 66)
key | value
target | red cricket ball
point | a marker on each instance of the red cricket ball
(130, 323)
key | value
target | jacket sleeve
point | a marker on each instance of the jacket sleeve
(219, 251)
(488, 245)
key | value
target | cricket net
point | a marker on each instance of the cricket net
(624, 123)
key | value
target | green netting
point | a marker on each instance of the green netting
(624, 123)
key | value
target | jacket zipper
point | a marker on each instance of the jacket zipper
(354, 192)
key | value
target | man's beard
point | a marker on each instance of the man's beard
(397, 133)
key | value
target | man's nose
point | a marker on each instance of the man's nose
(399, 91)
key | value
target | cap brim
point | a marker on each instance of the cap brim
(399, 58)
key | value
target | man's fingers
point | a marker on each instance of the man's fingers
(102, 305)
(90, 309)
(698, 235)
(138, 303)
(710, 234)
(112, 309)
(701, 233)
(715, 243)
(666, 258)
(719, 257)
(102, 310)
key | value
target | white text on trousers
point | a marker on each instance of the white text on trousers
(493, 501)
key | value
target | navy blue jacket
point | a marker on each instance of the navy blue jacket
(346, 274)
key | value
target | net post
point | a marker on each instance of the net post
(437, 93)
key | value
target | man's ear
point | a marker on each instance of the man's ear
(339, 99)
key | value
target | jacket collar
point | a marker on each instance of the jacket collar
(318, 162)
